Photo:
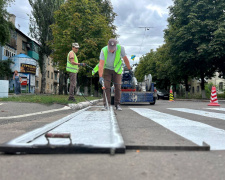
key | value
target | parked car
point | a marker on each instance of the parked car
(162, 94)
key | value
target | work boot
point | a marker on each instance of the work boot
(118, 107)
(105, 108)
(71, 99)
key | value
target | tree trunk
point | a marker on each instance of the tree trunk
(203, 86)
(61, 82)
(95, 87)
(65, 87)
(175, 90)
(43, 77)
(186, 87)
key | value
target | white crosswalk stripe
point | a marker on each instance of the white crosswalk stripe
(201, 113)
(218, 109)
(196, 132)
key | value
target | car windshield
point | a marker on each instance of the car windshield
(162, 91)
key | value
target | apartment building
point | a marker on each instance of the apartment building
(216, 81)
(21, 44)
(52, 78)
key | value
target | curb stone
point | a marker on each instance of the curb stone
(82, 105)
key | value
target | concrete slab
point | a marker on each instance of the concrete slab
(91, 129)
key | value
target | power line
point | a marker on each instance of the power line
(143, 45)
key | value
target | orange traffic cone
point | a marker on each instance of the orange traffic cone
(213, 99)
(171, 95)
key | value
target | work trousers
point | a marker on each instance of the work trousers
(111, 76)
(73, 80)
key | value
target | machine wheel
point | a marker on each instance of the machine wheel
(112, 100)
(153, 103)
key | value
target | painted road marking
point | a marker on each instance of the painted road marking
(196, 132)
(37, 113)
(201, 113)
(218, 109)
(1, 104)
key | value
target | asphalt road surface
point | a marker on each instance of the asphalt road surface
(179, 123)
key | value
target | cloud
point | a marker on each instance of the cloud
(132, 18)
(20, 8)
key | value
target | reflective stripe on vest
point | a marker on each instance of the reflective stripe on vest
(117, 62)
(72, 67)
(95, 69)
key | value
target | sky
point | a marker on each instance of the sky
(140, 23)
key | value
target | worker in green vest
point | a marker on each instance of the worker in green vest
(110, 69)
(72, 67)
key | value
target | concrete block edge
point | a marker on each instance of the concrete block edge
(85, 104)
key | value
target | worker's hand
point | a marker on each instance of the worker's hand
(82, 64)
(101, 81)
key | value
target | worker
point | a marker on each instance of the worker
(110, 69)
(72, 68)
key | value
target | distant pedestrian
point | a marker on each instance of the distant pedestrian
(72, 68)
(17, 80)
(110, 69)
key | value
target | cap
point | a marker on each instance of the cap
(76, 45)
(112, 44)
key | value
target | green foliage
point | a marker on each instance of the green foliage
(5, 24)
(85, 22)
(158, 64)
(5, 70)
(40, 21)
(195, 37)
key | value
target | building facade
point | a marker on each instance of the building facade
(21, 44)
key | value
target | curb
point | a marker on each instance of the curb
(82, 105)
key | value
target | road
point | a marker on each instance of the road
(179, 123)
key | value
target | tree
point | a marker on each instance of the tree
(80, 21)
(191, 36)
(5, 70)
(5, 24)
(40, 21)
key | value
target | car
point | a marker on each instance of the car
(162, 94)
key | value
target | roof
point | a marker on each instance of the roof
(22, 56)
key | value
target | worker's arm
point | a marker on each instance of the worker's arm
(127, 62)
(72, 59)
(101, 66)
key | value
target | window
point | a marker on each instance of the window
(48, 74)
(197, 88)
(193, 89)
(51, 75)
(23, 45)
(51, 86)
(55, 76)
(221, 86)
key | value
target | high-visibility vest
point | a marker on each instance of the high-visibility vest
(72, 67)
(95, 69)
(118, 63)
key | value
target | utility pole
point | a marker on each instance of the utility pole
(146, 29)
